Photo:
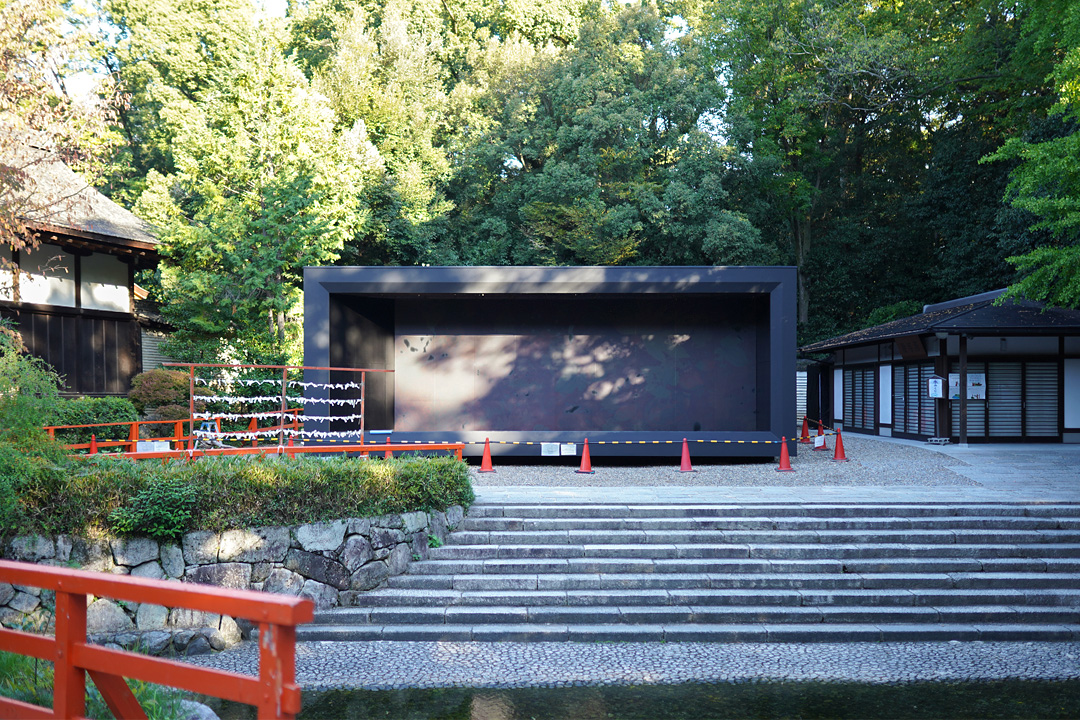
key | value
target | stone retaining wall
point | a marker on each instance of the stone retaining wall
(333, 563)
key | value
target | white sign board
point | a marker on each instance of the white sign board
(819, 441)
(935, 387)
(976, 386)
(568, 449)
(549, 449)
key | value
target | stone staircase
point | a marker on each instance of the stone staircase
(735, 573)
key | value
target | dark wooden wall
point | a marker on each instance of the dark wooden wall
(97, 353)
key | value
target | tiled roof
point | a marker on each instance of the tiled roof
(56, 199)
(980, 317)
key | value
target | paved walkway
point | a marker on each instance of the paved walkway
(322, 665)
(1004, 473)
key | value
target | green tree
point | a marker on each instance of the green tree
(264, 185)
(168, 57)
(1046, 180)
(595, 153)
(41, 46)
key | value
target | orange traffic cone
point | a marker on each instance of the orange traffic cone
(785, 459)
(805, 437)
(685, 466)
(93, 444)
(586, 463)
(485, 464)
(821, 434)
(839, 455)
(289, 452)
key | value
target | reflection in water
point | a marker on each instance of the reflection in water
(764, 700)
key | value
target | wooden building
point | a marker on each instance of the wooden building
(72, 296)
(967, 370)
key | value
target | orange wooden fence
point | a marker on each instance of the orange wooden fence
(274, 691)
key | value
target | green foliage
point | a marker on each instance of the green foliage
(88, 411)
(231, 492)
(30, 680)
(29, 392)
(842, 138)
(156, 388)
(163, 509)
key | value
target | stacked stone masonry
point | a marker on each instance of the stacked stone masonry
(334, 563)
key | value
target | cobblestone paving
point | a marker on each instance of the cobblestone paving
(394, 665)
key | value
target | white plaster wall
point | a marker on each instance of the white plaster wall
(838, 393)
(1072, 393)
(885, 394)
(7, 279)
(104, 283)
(48, 276)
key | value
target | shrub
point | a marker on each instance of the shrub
(87, 411)
(155, 388)
(163, 509)
(29, 391)
(220, 493)
(169, 412)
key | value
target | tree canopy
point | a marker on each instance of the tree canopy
(897, 153)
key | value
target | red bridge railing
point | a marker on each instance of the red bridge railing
(274, 692)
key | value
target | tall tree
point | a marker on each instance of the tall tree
(168, 57)
(594, 153)
(263, 186)
(1046, 181)
(41, 46)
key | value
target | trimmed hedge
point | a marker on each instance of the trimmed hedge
(90, 410)
(232, 492)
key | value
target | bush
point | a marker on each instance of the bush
(163, 509)
(221, 493)
(155, 388)
(29, 391)
(31, 680)
(169, 412)
(30, 474)
(87, 411)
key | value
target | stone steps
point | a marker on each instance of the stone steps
(723, 581)
(764, 573)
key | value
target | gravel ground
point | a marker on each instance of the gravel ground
(871, 462)
(393, 665)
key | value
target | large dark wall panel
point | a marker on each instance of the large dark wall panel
(549, 362)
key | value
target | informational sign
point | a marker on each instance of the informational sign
(936, 387)
(976, 386)
(819, 441)
(549, 449)
(568, 449)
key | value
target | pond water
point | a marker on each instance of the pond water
(765, 700)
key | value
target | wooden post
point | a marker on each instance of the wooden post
(191, 399)
(69, 681)
(133, 437)
(277, 668)
(284, 404)
(963, 389)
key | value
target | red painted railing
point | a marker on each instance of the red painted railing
(274, 691)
